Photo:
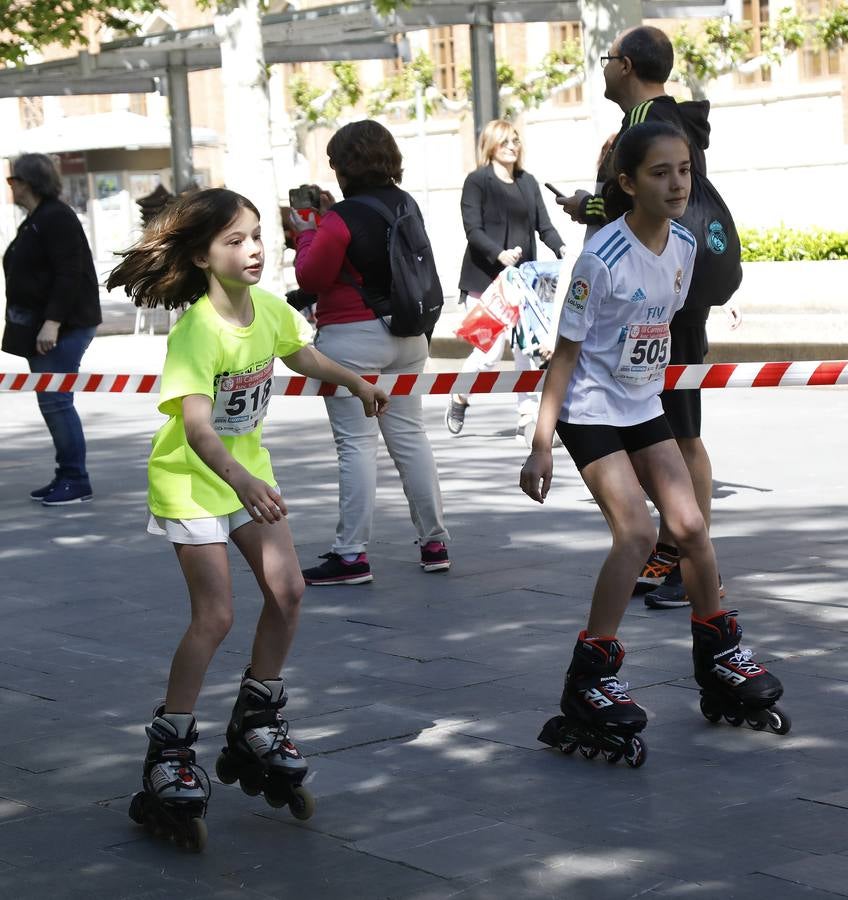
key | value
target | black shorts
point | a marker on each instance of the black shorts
(683, 408)
(586, 443)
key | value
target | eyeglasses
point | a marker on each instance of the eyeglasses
(516, 142)
(606, 59)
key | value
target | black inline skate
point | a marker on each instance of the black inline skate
(733, 685)
(176, 791)
(598, 716)
(259, 753)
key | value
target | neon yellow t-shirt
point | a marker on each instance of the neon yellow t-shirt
(233, 366)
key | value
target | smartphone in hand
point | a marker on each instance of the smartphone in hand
(554, 190)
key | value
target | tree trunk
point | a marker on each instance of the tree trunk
(248, 164)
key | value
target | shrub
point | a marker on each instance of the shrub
(783, 244)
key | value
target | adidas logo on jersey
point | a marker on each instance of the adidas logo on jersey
(638, 296)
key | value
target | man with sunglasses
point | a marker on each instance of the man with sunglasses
(636, 70)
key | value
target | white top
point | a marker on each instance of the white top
(619, 303)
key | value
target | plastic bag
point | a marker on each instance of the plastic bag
(496, 310)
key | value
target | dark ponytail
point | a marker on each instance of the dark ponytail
(630, 153)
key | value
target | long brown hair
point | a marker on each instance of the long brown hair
(159, 269)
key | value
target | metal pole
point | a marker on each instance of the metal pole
(484, 79)
(178, 103)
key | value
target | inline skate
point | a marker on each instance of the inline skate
(175, 791)
(598, 716)
(733, 685)
(259, 754)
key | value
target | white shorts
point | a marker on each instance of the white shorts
(211, 530)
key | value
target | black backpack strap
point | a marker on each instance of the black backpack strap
(377, 205)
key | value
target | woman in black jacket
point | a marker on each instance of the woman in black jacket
(502, 212)
(52, 311)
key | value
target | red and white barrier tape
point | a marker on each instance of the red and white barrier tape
(717, 375)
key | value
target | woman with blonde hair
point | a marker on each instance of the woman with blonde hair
(502, 212)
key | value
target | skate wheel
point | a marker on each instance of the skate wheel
(588, 751)
(779, 722)
(226, 769)
(196, 838)
(710, 710)
(302, 803)
(734, 719)
(137, 808)
(757, 724)
(551, 730)
(613, 756)
(636, 752)
(251, 786)
(569, 747)
(276, 794)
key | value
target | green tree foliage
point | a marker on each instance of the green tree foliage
(316, 106)
(30, 25)
(832, 28)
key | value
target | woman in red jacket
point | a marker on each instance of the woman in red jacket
(344, 260)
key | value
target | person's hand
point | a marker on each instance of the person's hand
(47, 337)
(262, 501)
(374, 400)
(299, 224)
(327, 200)
(510, 257)
(734, 314)
(536, 474)
(572, 204)
(562, 251)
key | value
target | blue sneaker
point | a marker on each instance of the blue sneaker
(40, 493)
(65, 491)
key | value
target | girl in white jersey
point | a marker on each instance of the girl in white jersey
(210, 480)
(601, 394)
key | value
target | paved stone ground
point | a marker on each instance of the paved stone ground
(418, 698)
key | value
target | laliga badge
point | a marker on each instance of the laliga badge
(678, 281)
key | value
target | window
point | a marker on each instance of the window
(444, 61)
(393, 67)
(756, 14)
(563, 33)
(32, 111)
(815, 60)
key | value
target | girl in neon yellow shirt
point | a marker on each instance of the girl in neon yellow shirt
(210, 480)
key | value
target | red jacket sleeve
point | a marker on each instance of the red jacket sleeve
(321, 253)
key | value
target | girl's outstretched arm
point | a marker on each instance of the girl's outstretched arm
(312, 363)
(260, 499)
(537, 471)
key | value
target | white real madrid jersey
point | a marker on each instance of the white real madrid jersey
(619, 303)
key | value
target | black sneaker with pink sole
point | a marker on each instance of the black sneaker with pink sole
(335, 570)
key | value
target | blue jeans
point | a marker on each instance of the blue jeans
(58, 409)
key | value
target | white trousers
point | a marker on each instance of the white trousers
(369, 347)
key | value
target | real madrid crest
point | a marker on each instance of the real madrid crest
(678, 281)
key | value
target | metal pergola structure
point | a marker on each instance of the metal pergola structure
(341, 31)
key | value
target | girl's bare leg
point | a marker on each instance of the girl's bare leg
(617, 491)
(667, 482)
(207, 574)
(269, 551)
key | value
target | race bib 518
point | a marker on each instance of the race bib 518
(242, 400)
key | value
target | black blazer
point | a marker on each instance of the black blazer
(49, 275)
(486, 226)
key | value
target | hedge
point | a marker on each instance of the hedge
(783, 244)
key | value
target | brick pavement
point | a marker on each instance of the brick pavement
(418, 698)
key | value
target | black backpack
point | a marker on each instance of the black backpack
(415, 296)
(718, 259)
